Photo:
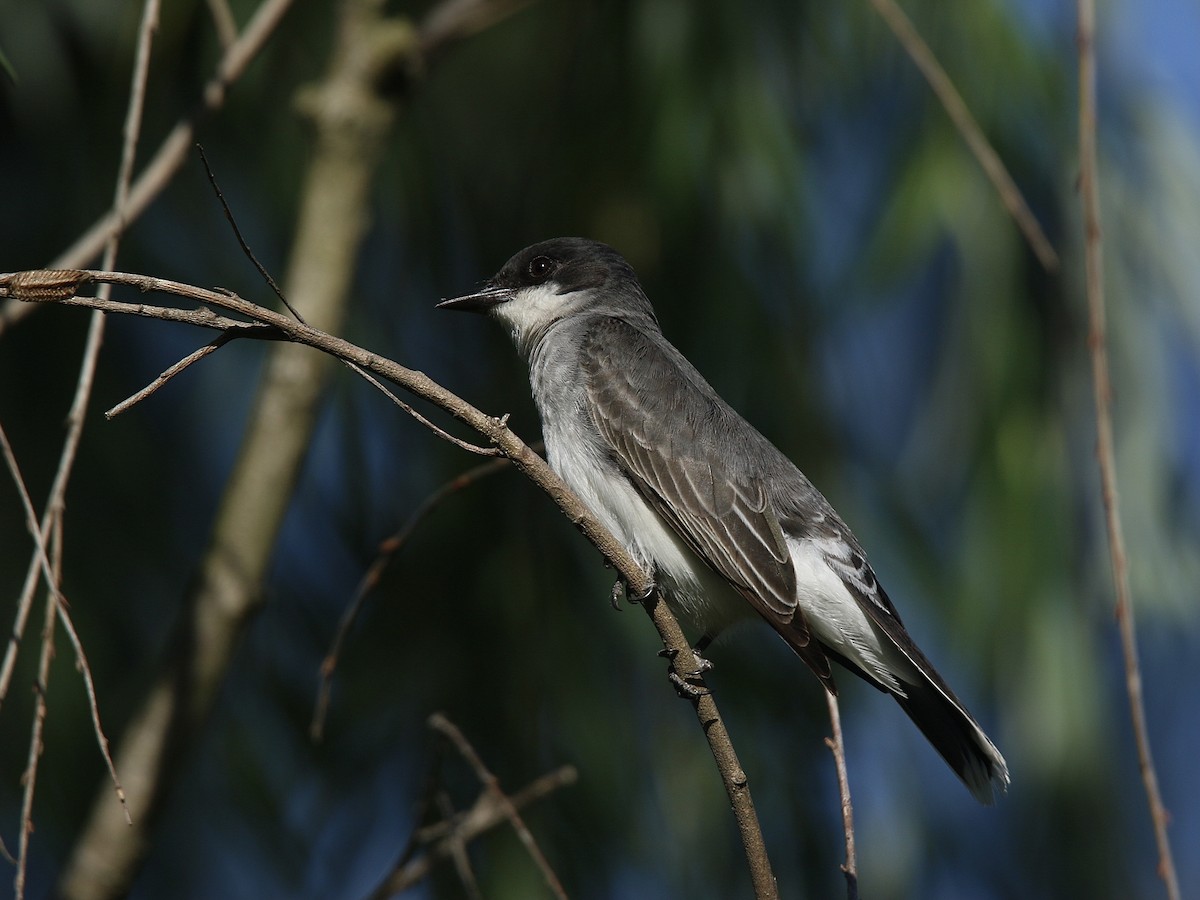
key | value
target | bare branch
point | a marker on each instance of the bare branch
(29, 777)
(89, 683)
(485, 815)
(838, 747)
(440, 432)
(1089, 183)
(448, 729)
(278, 292)
(133, 126)
(50, 286)
(458, 851)
(49, 569)
(195, 356)
(960, 115)
(237, 233)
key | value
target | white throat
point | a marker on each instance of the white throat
(531, 311)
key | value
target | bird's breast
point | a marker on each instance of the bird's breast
(577, 452)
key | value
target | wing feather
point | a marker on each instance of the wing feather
(673, 445)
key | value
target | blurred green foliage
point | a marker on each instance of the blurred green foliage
(820, 243)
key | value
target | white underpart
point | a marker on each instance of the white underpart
(836, 617)
(638, 527)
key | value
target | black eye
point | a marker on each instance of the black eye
(540, 268)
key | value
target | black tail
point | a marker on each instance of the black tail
(944, 721)
(957, 737)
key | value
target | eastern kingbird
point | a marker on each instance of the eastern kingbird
(698, 496)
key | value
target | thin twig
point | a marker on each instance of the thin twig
(201, 317)
(237, 233)
(133, 125)
(960, 115)
(195, 356)
(838, 747)
(439, 431)
(94, 708)
(458, 851)
(29, 286)
(388, 549)
(52, 524)
(29, 778)
(485, 815)
(1089, 183)
(53, 585)
(24, 604)
(444, 726)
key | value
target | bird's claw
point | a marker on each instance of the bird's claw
(686, 689)
(683, 683)
(621, 587)
(646, 595)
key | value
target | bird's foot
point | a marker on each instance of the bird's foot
(685, 683)
(686, 689)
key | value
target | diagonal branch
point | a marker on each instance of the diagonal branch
(182, 365)
(960, 115)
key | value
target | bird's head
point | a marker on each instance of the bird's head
(555, 280)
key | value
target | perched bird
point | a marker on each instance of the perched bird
(727, 525)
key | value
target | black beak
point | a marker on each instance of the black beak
(480, 301)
